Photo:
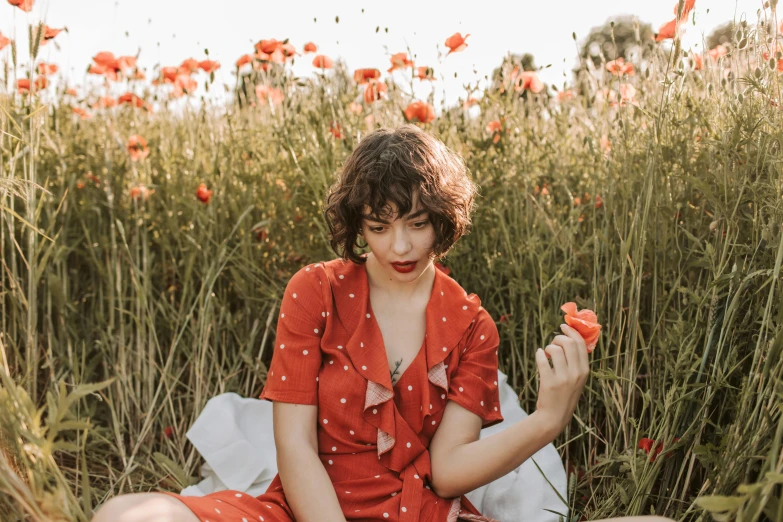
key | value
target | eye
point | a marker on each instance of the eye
(421, 224)
(376, 229)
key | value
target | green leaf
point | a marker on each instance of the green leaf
(720, 503)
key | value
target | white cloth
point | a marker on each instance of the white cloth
(235, 437)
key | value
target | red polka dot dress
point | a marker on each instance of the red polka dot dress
(373, 437)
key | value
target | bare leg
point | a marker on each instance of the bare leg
(144, 507)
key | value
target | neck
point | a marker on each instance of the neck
(382, 278)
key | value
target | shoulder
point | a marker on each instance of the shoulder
(483, 329)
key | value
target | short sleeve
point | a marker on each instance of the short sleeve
(474, 384)
(296, 359)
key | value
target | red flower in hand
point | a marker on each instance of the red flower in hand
(583, 321)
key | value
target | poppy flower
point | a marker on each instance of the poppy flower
(70, 91)
(529, 80)
(619, 67)
(421, 111)
(583, 321)
(137, 147)
(598, 202)
(104, 102)
(686, 9)
(495, 127)
(168, 432)
(399, 61)
(718, 51)
(503, 318)
(209, 66)
(375, 91)
(268, 46)
(268, 94)
(336, 130)
(323, 62)
(23, 85)
(244, 59)
(456, 43)
(47, 68)
(666, 31)
(310, 47)
(185, 84)
(131, 99)
(203, 194)
(470, 102)
(446, 270)
(3, 41)
(24, 5)
(355, 108)
(648, 444)
(104, 58)
(141, 192)
(188, 65)
(627, 93)
(698, 61)
(81, 112)
(425, 73)
(49, 33)
(568, 94)
(362, 76)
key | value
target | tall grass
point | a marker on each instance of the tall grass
(121, 317)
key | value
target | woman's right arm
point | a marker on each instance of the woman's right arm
(307, 487)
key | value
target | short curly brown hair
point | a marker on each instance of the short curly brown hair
(392, 165)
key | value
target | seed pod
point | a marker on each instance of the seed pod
(757, 73)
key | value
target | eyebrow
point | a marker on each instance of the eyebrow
(410, 216)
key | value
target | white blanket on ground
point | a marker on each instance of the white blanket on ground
(235, 437)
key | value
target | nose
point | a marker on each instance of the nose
(401, 244)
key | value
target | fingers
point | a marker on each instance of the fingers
(582, 357)
(558, 358)
(543, 364)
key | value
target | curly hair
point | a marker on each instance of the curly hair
(393, 165)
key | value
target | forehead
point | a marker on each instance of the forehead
(392, 210)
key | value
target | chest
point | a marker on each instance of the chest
(402, 328)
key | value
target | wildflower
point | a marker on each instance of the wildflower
(310, 47)
(470, 102)
(495, 127)
(648, 444)
(503, 318)
(619, 67)
(104, 102)
(686, 9)
(323, 62)
(421, 111)
(375, 91)
(185, 84)
(456, 43)
(425, 73)
(137, 147)
(203, 194)
(583, 321)
(49, 33)
(565, 95)
(168, 432)
(399, 61)
(47, 68)
(666, 31)
(141, 192)
(24, 5)
(131, 99)
(697, 61)
(718, 51)
(269, 94)
(627, 92)
(81, 112)
(577, 201)
(446, 270)
(336, 130)
(362, 76)
(4, 41)
(208, 66)
(598, 202)
(355, 108)
(188, 66)
(244, 59)
(526, 80)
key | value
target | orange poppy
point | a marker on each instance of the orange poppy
(718, 51)
(268, 94)
(421, 111)
(425, 73)
(23, 85)
(70, 91)
(139, 75)
(47, 68)
(686, 9)
(105, 102)
(137, 147)
(698, 61)
(125, 62)
(583, 321)
(203, 194)
(185, 84)
(627, 93)
(81, 112)
(310, 47)
(650, 445)
(41, 82)
(375, 91)
(399, 61)
(495, 128)
(666, 31)
(188, 65)
(470, 102)
(323, 62)
(49, 33)
(362, 76)
(209, 66)
(131, 99)
(141, 192)
(336, 130)
(244, 59)
(568, 94)
(526, 80)
(355, 108)
(24, 5)
(3, 41)
(598, 202)
(169, 74)
(104, 58)
(267, 46)
(619, 67)
(456, 43)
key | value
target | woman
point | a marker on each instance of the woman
(384, 369)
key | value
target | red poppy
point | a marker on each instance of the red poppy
(446, 270)
(185, 84)
(648, 444)
(70, 91)
(137, 147)
(355, 108)
(362, 76)
(268, 94)
(141, 192)
(698, 61)
(24, 5)
(23, 85)
(209, 66)
(310, 47)
(47, 68)
(583, 321)
(168, 432)
(3, 41)
(470, 102)
(718, 51)
(188, 65)
(81, 112)
(619, 67)
(495, 128)
(421, 111)
(104, 102)
(425, 73)
(323, 62)
(203, 194)
(529, 80)
(336, 130)
(244, 59)
(456, 43)
(104, 58)
(268, 46)
(686, 9)
(375, 91)
(49, 33)
(568, 94)
(666, 31)
(399, 61)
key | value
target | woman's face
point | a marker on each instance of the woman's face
(407, 238)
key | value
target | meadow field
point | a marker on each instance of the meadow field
(145, 250)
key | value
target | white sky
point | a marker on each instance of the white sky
(168, 31)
